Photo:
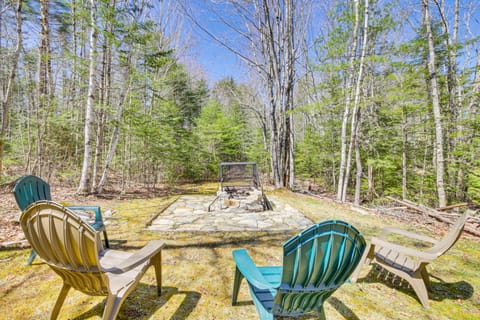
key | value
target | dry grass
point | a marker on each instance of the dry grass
(198, 274)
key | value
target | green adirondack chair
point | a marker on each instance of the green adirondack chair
(30, 189)
(316, 262)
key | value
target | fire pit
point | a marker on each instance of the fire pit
(240, 188)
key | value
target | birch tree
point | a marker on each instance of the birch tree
(435, 96)
(85, 177)
(450, 42)
(355, 123)
(348, 97)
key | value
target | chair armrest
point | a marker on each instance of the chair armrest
(408, 234)
(95, 209)
(249, 270)
(138, 258)
(422, 255)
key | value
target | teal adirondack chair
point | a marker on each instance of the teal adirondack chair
(316, 262)
(30, 189)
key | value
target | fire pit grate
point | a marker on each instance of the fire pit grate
(240, 188)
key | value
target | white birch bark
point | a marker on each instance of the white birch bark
(84, 184)
(451, 126)
(404, 153)
(356, 113)
(346, 114)
(442, 200)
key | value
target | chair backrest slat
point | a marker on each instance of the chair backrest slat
(69, 245)
(315, 263)
(30, 189)
(452, 236)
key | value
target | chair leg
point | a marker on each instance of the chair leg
(236, 285)
(420, 289)
(32, 256)
(157, 263)
(367, 256)
(112, 306)
(265, 315)
(321, 314)
(107, 245)
(61, 298)
(426, 278)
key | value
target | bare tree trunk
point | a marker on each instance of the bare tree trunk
(288, 82)
(452, 87)
(471, 112)
(45, 88)
(358, 161)
(277, 46)
(273, 83)
(99, 140)
(348, 94)
(404, 154)
(106, 82)
(116, 132)
(31, 109)
(269, 28)
(424, 162)
(371, 182)
(113, 148)
(84, 184)
(7, 96)
(432, 69)
(356, 107)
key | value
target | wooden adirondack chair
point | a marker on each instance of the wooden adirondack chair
(74, 250)
(409, 263)
(316, 262)
(30, 189)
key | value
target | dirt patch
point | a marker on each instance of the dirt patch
(11, 234)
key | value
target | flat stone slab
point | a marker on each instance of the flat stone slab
(190, 214)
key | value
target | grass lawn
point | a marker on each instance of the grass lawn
(198, 273)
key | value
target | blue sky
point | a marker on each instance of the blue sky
(217, 62)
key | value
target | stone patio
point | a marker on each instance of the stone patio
(190, 214)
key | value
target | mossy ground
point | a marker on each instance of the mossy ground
(198, 273)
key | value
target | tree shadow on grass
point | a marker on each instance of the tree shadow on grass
(117, 243)
(341, 308)
(440, 290)
(338, 305)
(219, 240)
(144, 302)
